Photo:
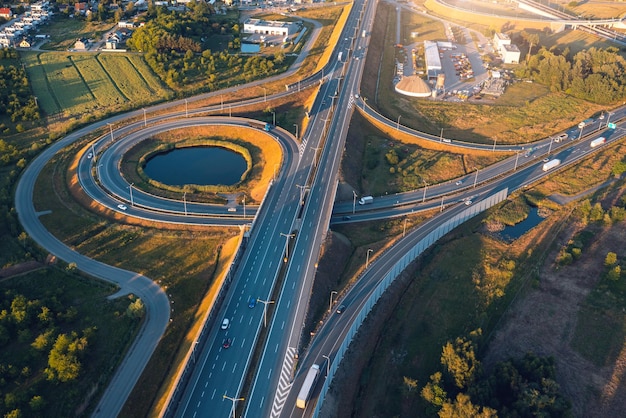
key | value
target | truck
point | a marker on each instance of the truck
(339, 56)
(267, 127)
(366, 200)
(307, 386)
(551, 164)
(363, 34)
(597, 141)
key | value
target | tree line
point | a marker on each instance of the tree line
(16, 99)
(597, 75)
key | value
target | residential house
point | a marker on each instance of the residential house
(6, 13)
(81, 44)
(24, 43)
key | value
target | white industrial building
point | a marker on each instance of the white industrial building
(433, 62)
(510, 52)
(270, 27)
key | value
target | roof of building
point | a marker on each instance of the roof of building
(413, 86)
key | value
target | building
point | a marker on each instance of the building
(510, 54)
(433, 62)
(413, 86)
(500, 39)
(6, 13)
(270, 27)
(24, 43)
(81, 44)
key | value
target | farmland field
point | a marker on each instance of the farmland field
(73, 84)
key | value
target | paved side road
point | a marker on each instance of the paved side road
(155, 300)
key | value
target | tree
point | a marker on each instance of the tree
(460, 361)
(409, 385)
(611, 259)
(462, 407)
(531, 39)
(433, 392)
(615, 273)
(63, 362)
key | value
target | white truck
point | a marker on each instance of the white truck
(363, 34)
(597, 141)
(366, 200)
(551, 164)
(307, 386)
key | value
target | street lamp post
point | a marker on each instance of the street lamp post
(353, 201)
(441, 210)
(93, 152)
(111, 128)
(274, 117)
(330, 306)
(404, 228)
(131, 194)
(234, 401)
(265, 303)
(476, 178)
(186, 109)
(296, 125)
(581, 132)
(398, 123)
(550, 147)
(441, 136)
(145, 121)
(327, 365)
(425, 187)
(287, 236)
(516, 158)
(367, 258)
(185, 202)
(264, 94)
(494, 145)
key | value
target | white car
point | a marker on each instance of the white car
(225, 323)
(89, 155)
(123, 207)
(458, 183)
(468, 202)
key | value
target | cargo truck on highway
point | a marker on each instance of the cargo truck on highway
(597, 141)
(365, 200)
(363, 34)
(551, 164)
(307, 386)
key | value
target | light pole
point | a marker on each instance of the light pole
(111, 128)
(145, 121)
(296, 125)
(550, 147)
(93, 152)
(287, 236)
(330, 306)
(185, 202)
(315, 156)
(404, 229)
(353, 201)
(425, 187)
(264, 94)
(186, 109)
(494, 145)
(327, 365)
(441, 210)
(274, 117)
(398, 123)
(581, 131)
(234, 401)
(222, 101)
(476, 178)
(367, 258)
(516, 158)
(441, 136)
(131, 194)
(302, 189)
(265, 303)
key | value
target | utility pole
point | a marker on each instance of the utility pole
(265, 303)
(287, 236)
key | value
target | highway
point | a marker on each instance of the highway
(296, 212)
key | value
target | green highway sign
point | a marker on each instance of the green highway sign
(610, 125)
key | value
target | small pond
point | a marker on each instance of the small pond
(511, 233)
(196, 165)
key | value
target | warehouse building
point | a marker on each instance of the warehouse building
(433, 62)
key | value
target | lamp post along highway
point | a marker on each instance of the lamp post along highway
(264, 94)
(494, 145)
(327, 365)
(287, 236)
(516, 158)
(185, 202)
(353, 201)
(476, 178)
(424, 196)
(404, 228)
(234, 401)
(398, 123)
(441, 136)
(265, 303)
(186, 109)
(367, 258)
(131, 194)
(296, 125)
(145, 121)
(330, 306)
(93, 152)
(441, 210)
(111, 128)
(550, 147)
(274, 117)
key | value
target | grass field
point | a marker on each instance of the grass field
(72, 84)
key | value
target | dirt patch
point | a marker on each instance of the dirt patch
(545, 320)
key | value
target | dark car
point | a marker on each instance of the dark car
(251, 302)
(341, 308)
(227, 342)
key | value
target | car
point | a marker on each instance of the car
(545, 160)
(123, 207)
(232, 209)
(347, 218)
(227, 342)
(561, 137)
(89, 155)
(341, 308)
(468, 202)
(459, 182)
(225, 323)
(251, 302)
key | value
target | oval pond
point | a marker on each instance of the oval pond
(196, 165)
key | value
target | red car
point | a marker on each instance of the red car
(227, 343)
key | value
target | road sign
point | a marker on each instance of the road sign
(611, 125)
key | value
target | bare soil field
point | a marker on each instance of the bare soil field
(545, 322)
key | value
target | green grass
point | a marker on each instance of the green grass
(96, 84)
(114, 331)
